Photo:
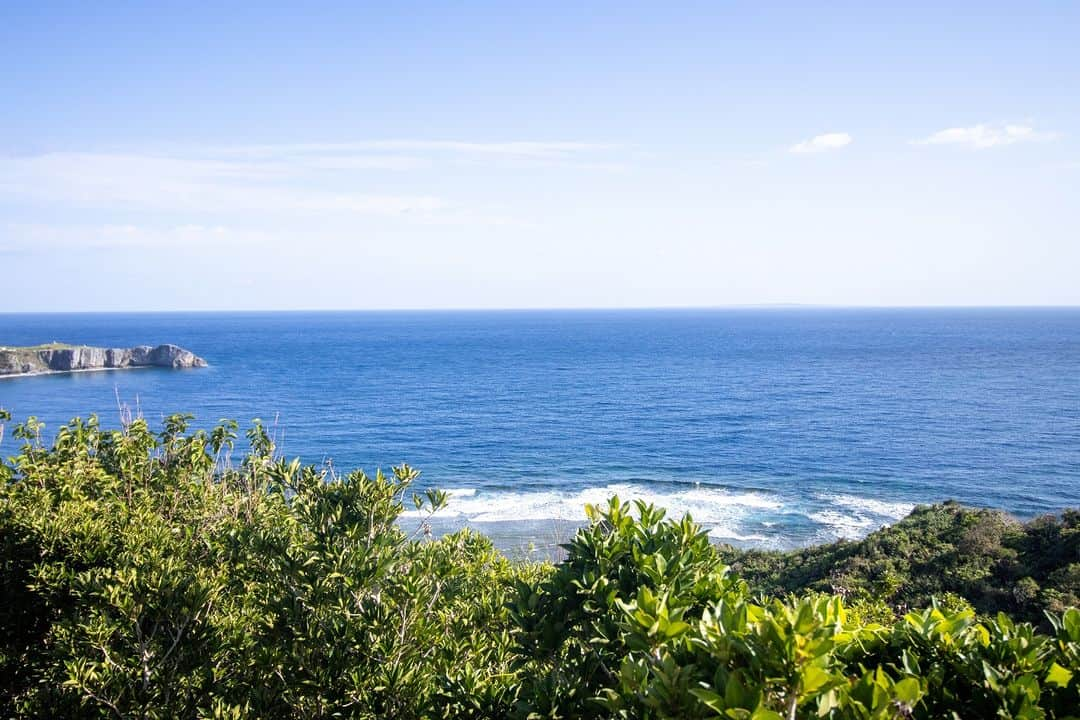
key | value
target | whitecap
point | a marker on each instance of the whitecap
(842, 525)
(723, 533)
(882, 508)
(711, 507)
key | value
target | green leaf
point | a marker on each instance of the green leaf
(1059, 676)
(764, 714)
(710, 699)
(908, 691)
(813, 679)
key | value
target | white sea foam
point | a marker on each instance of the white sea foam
(882, 508)
(725, 533)
(852, 516)
(709, 506)
(752, 517)
(842, 525)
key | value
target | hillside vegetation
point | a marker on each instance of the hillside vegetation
(35, 348)
(157, 576)
(943, 551)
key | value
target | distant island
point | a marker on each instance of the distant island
(62, 358)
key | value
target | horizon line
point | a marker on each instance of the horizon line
(533, 308)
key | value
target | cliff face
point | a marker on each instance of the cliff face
(51, 359)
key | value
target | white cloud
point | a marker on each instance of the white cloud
(982, 136)
(822, 143)
(190, 185)
(269, 179)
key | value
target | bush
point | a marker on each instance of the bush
(997, 563)
(146, 575)
(641, 620)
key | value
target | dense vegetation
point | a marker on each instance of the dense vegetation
(149, 575)
(945, 551)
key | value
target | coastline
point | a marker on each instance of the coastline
(58, 357)
(42, 373)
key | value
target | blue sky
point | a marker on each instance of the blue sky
(433, 155)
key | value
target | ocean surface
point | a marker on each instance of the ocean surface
(774, 427)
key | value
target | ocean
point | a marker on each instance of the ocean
(774, 428)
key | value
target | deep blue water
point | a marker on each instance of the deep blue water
(773, 427)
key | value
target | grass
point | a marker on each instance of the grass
(54, 345)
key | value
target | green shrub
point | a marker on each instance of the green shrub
(642, 621)
(147, 575)
(937, 551)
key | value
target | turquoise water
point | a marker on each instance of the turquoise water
(775, 428)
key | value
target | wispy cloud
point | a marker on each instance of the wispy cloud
(519, 149)
(108, 236)
(191, 185)
(983, 136)
(256, 194)
(822, 143)
(307, 177)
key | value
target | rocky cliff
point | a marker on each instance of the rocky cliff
(69, 358)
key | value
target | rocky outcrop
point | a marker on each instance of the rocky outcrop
(174, 357)
(68, 358)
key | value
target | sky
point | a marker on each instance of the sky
(264, 156)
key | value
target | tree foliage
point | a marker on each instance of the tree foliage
(944, 551)
(150, 575)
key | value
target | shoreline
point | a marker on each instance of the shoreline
(56, 358)
(42, 373)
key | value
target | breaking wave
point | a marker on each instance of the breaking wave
(746, 518)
